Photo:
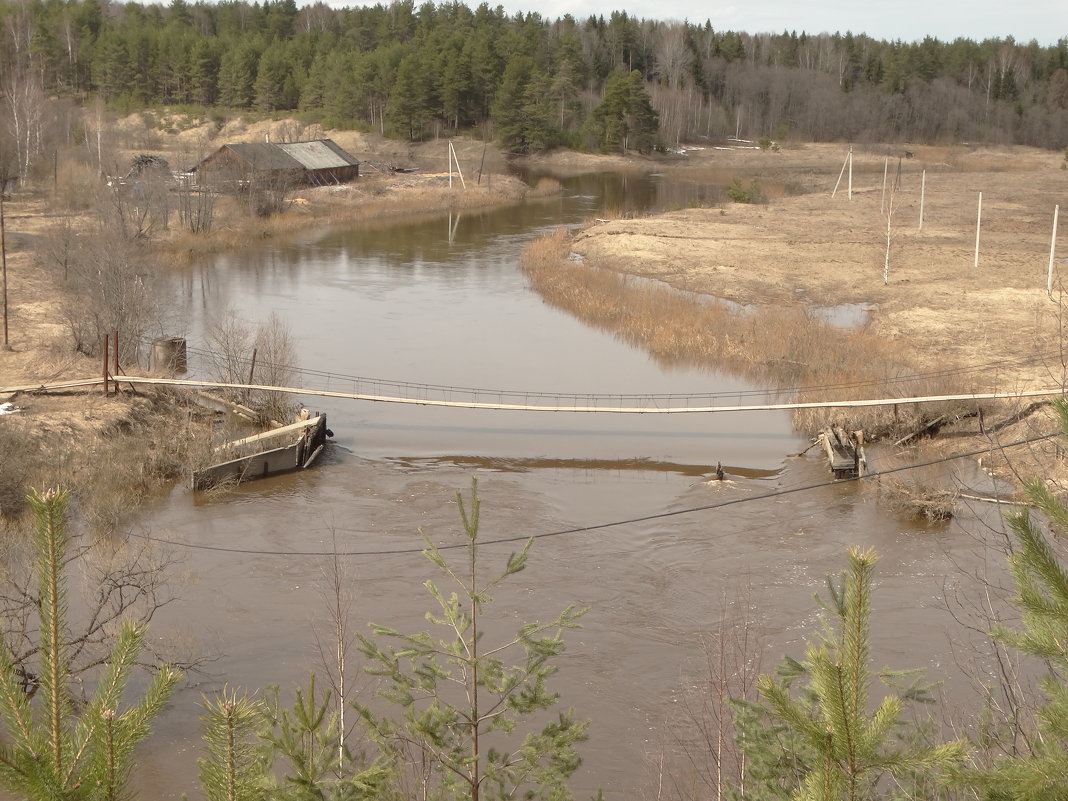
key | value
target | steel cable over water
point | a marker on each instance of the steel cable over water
(615, 523)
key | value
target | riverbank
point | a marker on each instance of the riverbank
(927, 306)
(820, 250)
(53, 437)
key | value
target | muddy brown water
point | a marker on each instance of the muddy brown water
(444, 303)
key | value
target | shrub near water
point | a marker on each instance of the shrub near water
(774, 347)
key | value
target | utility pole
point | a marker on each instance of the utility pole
(6, 344)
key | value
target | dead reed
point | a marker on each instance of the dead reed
(790, 350)
(924, 493)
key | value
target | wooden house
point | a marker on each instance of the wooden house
(318, 162)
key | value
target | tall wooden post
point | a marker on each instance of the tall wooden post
(978, 225)
(850, 195)
(882, 199)
(252, 367)
(1052, 251)
(923, 192)
(6, 344)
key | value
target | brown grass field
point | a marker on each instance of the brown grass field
(937, 325)
(817, 250)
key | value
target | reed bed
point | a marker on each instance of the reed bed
(790, 350)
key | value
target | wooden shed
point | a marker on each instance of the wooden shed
(317, 162)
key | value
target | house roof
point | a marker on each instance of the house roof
(318, 154)
(263, 156)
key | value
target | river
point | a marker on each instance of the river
(443, 302)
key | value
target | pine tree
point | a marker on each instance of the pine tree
(1042, 597)
(408, 110)
(271, 74)
(508, 109)
(625, 119)
(775, 757)
(847, 748)
(236, 765)
(256, 750)
(456, 694)
(317, 765)
(237, 73)
(53, 748)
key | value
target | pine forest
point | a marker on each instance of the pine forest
(524, 81)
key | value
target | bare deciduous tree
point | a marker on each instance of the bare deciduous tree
(702, 758)
(119, 580)
(242, 353)
(111, 284)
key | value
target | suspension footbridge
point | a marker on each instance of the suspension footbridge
(379, 391)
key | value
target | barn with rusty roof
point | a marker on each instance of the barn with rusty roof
(317, 162)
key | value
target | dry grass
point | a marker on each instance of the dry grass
(787, 347)
(111, 452)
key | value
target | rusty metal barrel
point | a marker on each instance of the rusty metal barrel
(169, 355)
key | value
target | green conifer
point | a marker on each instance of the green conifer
(1042, 597)
(462, 708)
(53, 748)
(847, 747)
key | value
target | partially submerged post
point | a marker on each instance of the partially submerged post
(169, 355)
